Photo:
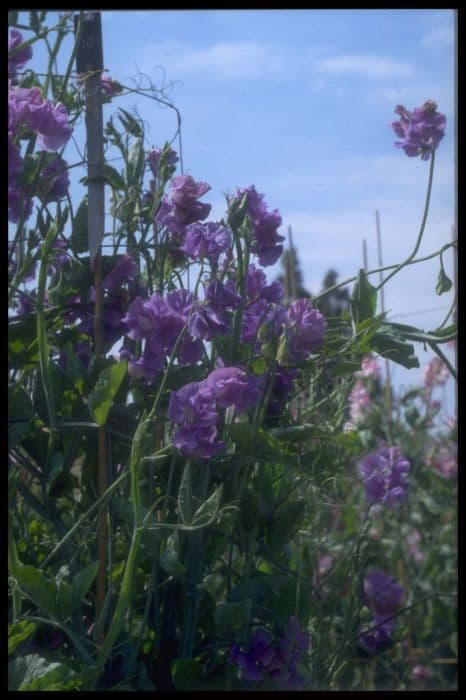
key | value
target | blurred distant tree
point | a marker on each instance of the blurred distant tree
(292, 278)
(337, 301)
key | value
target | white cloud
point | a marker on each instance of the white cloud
(440, 31)
(224, 60)
(367, 66)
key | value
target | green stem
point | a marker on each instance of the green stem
(421, 230)
(82, 518)
(444, 359)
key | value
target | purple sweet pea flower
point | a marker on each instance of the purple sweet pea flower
(222, 296)
(383, 595)
(54, 180)
(19, 204)
(265, 238)
(305, 328)
(124, 271)
(17, 59)
(205, 323)
(421, 130)
(256, 286)
(231, 386)
(154, 157)
(208, 240)
(377, 639)
(181, 207)
(384, 473)
(49, 120)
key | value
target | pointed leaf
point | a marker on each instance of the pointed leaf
(209, 509)
(363, 299)
(185, 496)
(82, 582)
(79, 240)
(104, 392)
(40, 589)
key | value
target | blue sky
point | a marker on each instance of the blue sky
(298, 102)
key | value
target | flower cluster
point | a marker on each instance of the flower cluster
(181, 206)
(369, 368)
(49, 120)
(383, 596)
(208, 240)
(434, 373)
(194, 408)
(17, 58)
(420, 130)
(384, 473)
(278, 660)
(266, 241)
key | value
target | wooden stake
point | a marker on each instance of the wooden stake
(89, 61)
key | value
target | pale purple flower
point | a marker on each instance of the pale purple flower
(420, 130)
(222, 296)
(17, 59)
(305, 328)
(204, 323)
(282, 386)
(124, 271)
(50, 121)
(384, 473)
(445, 461)
(208, 240)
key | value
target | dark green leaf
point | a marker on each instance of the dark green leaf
(82, 582)
(79, 240)
(34, 21)
(113, 177)
(390, 344)
(232, 617)
(20, 413)
(185, 496)
(136, 160)
(208, 510)
(363, 299)
(33, 672)
(286, 521)
(104, 392)
(186, 673)
(40, 589)
(256, 442)
(12, 18)
(130, 123)
(64, 599)
(444, 283)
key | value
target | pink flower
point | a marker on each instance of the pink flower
(369, 368)
(445, 462)
(360, 401)
(434, 373)
(412, 540)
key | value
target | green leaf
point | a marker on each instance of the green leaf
(20, 413)
(444, 283)
(64, 599)
(390, 344)
(113, 177)
(40, 589)
(186, 673)
(33, 672)
(232, 617)
(286, 521)
(79, 239)
(34, 21)
(130, 123)
(104, 392)
(209, 509)
(18, 633)
(135, 167)
(82, 582)
(363, 299)
(185, 495)
(256, 442)
(12, 18)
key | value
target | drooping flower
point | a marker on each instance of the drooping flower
(17, 59)
(384, 473)
(420, 130)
